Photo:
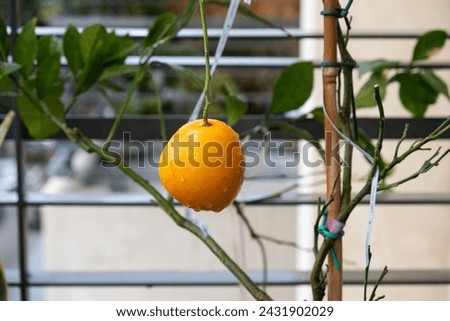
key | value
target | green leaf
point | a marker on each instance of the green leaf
(415, 93)
(246, 12)
(365, 96)
(37, 123)
(92, 40)
(8, 68)
(72, 49)
(99, 51)
(376, 66)
(160, 29)
(47, 46)
(235, 108)
(429, 44)
(194, 77)
(166, 26)
(292, 88)
(92, 46)
(117, 49)
(435, 82)
(4, 41)
(48, 80)
(117, 71)
(90, 75)
(26, 48)
(298, 133)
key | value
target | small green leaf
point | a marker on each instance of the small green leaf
(415, 93)
(91, 42)
(292, 88)
(117, 71)
(166, 26)
(365, 96)
(37, 123)
(48, 80)
(435, 82)
(376, 66)
(195, 78)
(72, 49)
(117, 48)
(160, 29)
(235, 108)
(90, 75)
(8, 68)
(47, 46)
(4, 41)
(26, 48)
(429, 44)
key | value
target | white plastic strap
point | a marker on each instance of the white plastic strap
(374, 183)
(373, 196)
(229, 20)
(249, 2)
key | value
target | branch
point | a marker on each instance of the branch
(88, 145)
(426, 166)
(168, 207)
(257, 238)
(348, 208)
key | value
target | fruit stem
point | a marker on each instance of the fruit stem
(206, 88)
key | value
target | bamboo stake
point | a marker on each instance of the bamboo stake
(332, 143)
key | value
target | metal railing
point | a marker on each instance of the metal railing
(24, 278)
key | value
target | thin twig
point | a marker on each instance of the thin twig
(400, 141)
(426, 166)
(124, 106)
(380, 279)
(159, 106)
(255, 236)
(366, 274)
(88, 145)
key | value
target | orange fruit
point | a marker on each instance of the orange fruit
(202, 166)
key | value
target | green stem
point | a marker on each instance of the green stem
(130, 92)
(168, 207)
(206, 89)
(88, 145)
(159, 106)
(346, 109)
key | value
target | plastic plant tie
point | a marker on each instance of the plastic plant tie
(229, 20)
(249, 2)
(374, 183)
(338, 64)
(200, 224)
(332, 229)
(339, 13)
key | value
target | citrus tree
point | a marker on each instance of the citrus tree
(202, 165)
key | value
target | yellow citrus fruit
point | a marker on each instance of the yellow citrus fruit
(202, 166)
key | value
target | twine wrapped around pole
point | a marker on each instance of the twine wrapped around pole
(330, 74)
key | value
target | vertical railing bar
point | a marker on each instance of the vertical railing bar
(21, 206)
